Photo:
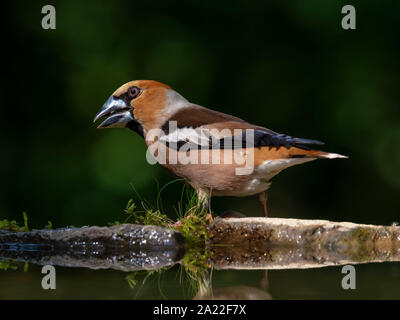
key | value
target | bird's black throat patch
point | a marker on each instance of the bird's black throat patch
(135, 126)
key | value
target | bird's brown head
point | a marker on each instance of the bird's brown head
(138, 105)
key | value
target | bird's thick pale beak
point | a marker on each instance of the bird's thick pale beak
(118, 114)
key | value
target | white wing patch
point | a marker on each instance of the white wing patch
(199, 137)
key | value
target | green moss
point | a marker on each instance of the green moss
(49, 225)
(25, 216)
(8, 264)
(13, 265)
(195, 261)
(146, 217)
(193, 224)
(147, 275)
(132, 279)
(13, 225)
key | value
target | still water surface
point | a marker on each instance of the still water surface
(374, 281)
(85, 260)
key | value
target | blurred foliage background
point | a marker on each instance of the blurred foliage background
(288, 66)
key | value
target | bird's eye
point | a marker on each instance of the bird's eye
(133, 92)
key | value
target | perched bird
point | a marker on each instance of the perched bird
(216, 153)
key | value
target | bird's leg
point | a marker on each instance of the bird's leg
(209, 201)
(203, 201)
(264, 283)
(203, 204)
(262, 196)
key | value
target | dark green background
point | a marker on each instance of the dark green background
(288, 66)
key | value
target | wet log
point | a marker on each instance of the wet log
(274, 243)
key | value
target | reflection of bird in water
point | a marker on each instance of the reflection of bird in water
(237, 292)
(175, 128)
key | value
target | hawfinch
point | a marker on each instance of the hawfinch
(216, 153)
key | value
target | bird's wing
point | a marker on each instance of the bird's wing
(200, 127)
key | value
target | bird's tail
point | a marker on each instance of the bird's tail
(297, 147)
(317, 154)
(330, 155)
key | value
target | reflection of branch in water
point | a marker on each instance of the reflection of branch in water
(245, 243)
(123, 247)
(272, 243)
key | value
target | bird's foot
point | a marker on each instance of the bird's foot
(231, 214)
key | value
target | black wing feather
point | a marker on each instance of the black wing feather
(270, 139)
(261, 139)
